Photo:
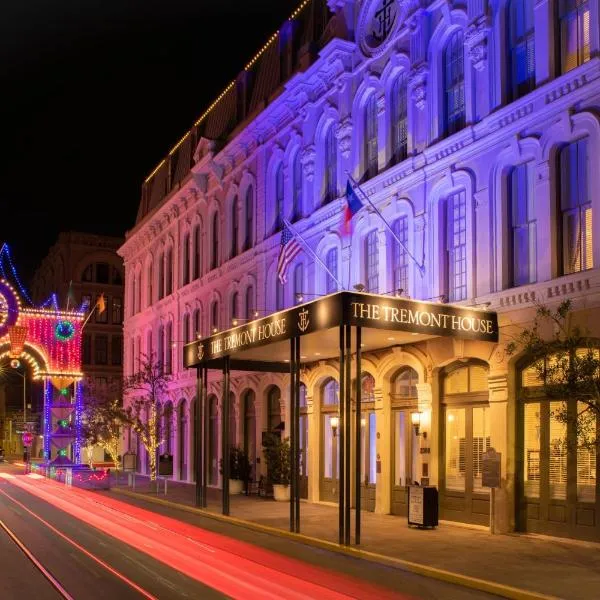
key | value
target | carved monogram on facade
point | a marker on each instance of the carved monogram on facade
(384, 20)
(303, 321)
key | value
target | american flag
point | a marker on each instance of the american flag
(287, 251)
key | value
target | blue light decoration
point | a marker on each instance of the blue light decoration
(5, 255)
(47, 416)
(64, 331)
(78, 420)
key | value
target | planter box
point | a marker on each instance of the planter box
(281, 493)
(236, 487)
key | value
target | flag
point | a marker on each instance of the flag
(353, 205)
(288, 249)
(101, 304)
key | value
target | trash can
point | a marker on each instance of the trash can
(165, 464)
(422, 506)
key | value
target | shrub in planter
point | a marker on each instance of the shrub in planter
(239, 469)
(277, 456)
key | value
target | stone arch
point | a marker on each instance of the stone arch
(329, 118)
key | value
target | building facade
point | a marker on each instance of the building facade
(472, 128)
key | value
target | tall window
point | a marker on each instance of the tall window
(521, 48)
(574, 16)
(149, 296)
(249, 218)
(214, 256)
(197, 329)
(185, 263)
(297, 208)
(331, 262)
(250, 308)
(278, 198)
(371, 137)
(330, 173)
(214, 316)
(197, 251)
(169, 270)
(372, 262)
(454, 84)
(279, 295)
(235, 226)
(399, 254)
(456, 219)
(169, 348)
(522, 223)
(399, 120)
(117, 311)
(575, 208)
(234, 306)
(298, 282)
(160, 351)
(161, 276)
(186, 329)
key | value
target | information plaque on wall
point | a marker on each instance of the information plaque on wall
(490, 468)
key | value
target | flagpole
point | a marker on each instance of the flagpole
(90, 315)
(356, 186)
(311, 251)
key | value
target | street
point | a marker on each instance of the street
(95, 546)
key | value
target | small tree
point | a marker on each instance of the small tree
(146, 409)
(239, 464)
(277, 456)
(567, 363)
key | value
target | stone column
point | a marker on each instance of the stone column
(314, 448)
(423, 460)
(383, 449)
(476, 44)
(498, 420)
(547, 266)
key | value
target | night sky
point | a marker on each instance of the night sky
(94, 93)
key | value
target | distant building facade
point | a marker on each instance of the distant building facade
(472, 127)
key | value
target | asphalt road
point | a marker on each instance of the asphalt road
(97, 546)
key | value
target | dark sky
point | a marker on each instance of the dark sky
(93, 94)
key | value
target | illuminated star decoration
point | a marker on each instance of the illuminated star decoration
(64, 331)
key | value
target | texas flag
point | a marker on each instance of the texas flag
(353, 205)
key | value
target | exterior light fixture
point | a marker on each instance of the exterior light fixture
(363, 422)
(415, 419)
(334, 422)
(215, 330)
(399, 292)
(359, 287)
(234, 322)
(299, 297)
(256, 314)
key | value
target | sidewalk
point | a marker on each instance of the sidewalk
(549, 566)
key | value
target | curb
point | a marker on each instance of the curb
(483, 585)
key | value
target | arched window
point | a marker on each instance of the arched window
(298, 283)
(330, 167)
(330, 392)
(370, 150)
(234, 311)
(169, 273)
(214, 316)
(404, 384)
(279, 197)
(399, 120)
(575, 208)
(273, 409)
(454, 84)
(331, 262)
(161, 276)
(214, 251)
(186, 329)
(297, 208)
(574, 16)
(521, 217)
(372, 262)
(302, 395)
(249, 218)
(161, 349)
(235, 226)
(181, 435)
(197, 327)
(149, 296)
(456, 246)
(168, 428)
(197, 251)
(399, 254)
(367, 393)
(169, 348)
(185, 263)
(250, 307)
(213, 440)
(521, 48)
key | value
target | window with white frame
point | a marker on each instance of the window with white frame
(370, 138)
(298, 283)
(186, 329)
(185, 263)
(250, 307)
(149, 294)
(522, 225)
(456, 237)
(521, 48)
(574, 17)
(197, 327)
(161, 276)
(214, 316)
(214, 256)
(279, 198)
(331, 262)
(249, 218)
(197, 251)
(235, 226)
(234, 306)
(399, 254)
(454, 84)
(169, 273)
(169, 348)
(399, 119)
(372, 262)
(330, 170)
(575, 207)
(279, 295)
(297, 208)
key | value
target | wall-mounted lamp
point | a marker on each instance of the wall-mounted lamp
(415, 419)
(334, 422)
(399, 292)
(363, 422)
(359, 287)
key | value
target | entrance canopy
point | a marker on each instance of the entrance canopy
(385, 321)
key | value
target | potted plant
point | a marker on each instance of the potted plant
(239, 469)
(277, 456)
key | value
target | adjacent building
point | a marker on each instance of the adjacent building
(472, 128)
